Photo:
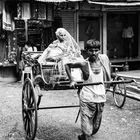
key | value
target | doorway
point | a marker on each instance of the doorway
(115, 40)
(89, 28)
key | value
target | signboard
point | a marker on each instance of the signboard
(7, 23)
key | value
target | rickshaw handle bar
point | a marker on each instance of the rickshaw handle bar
(106, 82)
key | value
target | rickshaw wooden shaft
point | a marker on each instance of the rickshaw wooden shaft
(128, 96)
(53, 107)
(57, 107)
(62, 84)
(106, 82)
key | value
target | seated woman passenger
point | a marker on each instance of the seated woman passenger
(65, 45)
(65, 49)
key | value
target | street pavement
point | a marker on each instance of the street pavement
(59, 124)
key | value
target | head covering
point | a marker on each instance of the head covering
(92, 43)
(68, 39)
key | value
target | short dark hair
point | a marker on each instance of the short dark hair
(27, 42)
(92, 43)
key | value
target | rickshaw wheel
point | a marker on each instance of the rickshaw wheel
(29, 109)
(119, 93)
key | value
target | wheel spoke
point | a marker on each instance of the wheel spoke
(31, 125)
(24, 114)
(31, 102)
(26, 125)
(25, 121)
(24, 93)
(28, 93)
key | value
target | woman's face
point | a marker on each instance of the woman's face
(61, 34)
(61, 37)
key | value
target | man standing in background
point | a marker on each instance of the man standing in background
(128, 35)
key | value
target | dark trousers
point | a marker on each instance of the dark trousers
(128, 47)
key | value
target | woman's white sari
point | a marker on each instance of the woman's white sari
(67, 50)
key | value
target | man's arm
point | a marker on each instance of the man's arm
(106, 65)
(83, 66)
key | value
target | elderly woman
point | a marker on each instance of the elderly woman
(65, 49)
(65, 46)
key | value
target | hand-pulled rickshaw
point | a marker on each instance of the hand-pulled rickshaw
(37, 77)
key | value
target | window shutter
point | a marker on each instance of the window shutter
(68, 21)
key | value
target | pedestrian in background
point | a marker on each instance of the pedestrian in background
(30, 47)
(128, 36)
(92, 98)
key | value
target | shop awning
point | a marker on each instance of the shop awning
(58, 0)
(115, 3)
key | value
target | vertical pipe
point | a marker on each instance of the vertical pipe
(77, 22)
(139, 35)
(26, 30)
(105, 33)
(101, 31)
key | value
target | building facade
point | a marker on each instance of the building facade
(37, 20)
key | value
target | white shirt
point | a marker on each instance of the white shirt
(30, 49)
(127, 32)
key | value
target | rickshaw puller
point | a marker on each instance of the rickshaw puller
(92, 98)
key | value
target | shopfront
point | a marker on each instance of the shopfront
(20, 22)
(120, 30)
(123, 35)
(7, 49)
(119, 36)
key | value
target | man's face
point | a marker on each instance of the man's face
(93, 54)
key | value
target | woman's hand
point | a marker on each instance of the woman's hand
(62, 46)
